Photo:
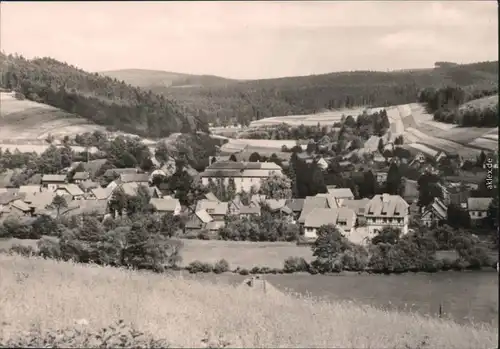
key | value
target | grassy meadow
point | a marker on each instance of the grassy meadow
(48, 295)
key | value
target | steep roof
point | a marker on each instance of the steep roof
(118, 171)
(40, 201)
(249, 209)
(478, 204)
(53, 178)
(275, 205)
(134, 177)
(81, 176)
(332, 202)
(29, 189)
(387, 206)
(357, 206)
(102, 193)
(20, 205)
(241, 169)
(203, 216)
(86, 185)
(310, 203)
(165, 204)
(438, 207)
(72, 189)
(215, 225)
(295, 205)
(324, 216)
(9, 196)
(211, 196)
(213, 207)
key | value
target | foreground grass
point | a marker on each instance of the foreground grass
(51, 295)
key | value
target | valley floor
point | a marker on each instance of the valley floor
(51, 295)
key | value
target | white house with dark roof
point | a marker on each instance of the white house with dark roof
(478, 208)
(246, 175)
(166, 205)
(434, 213)
(386, 210)
(217, 210)
(341, 194)
(51, 181)
(343, 218)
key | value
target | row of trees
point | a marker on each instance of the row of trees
(390, 252)
(446, 105)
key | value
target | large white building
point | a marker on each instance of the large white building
(245, 174)
(386, 211)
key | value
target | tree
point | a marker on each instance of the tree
(428, 189)
(276, 187)
(328, 249)
(380, 146)
(254, 157)
(292, 175)
(59, 203)
(162, 152)
(394, 180)
(118, 202)
(387, 235)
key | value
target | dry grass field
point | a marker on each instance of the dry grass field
(24, 119)
(485, 102)
(48, 295)
(243, 254)
(256, 145)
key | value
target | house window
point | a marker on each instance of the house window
(479, 214)
(384, 220)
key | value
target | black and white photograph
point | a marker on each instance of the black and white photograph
(249, 174)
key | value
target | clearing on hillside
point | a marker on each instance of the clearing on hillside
(484, 102)
(24, 119)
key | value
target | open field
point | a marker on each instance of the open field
(256, 145)
(39, 148)
(485, 143)
(24, 119)
(53, 295)
(464, 135)
(325, 118)
(485, 102)
(243, 254)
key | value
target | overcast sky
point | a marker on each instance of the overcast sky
(252, 39)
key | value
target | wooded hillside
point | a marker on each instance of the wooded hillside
(102, 100)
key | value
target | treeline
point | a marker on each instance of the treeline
(252, 100)
(446, 104)
(102, 100)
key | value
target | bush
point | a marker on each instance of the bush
(295, 264)
(244, 272)
(49, 248)
(446, 264)
(114, 336)
(199, 267)
(255, 270)
(221, 266)
(22, 250)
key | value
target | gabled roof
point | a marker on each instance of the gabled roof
(332, 202)
(310, 203)
(86, 207)
(165, 204)
(53, 178)
(211, 196)
(20, 205)
(219, 208)
(72, 189)
(215, 225)
(40, 200)
(102, 193)
(29, 189)
(385, 205)
(438, 207)
(249, 210)
(324, 216)
(134, 177)
(340, 193)
(81, 176)
(357, 206)
(9, 196)
(86, 185)
(118, 171)
(478, 204)
(203, 216)
(295, 205)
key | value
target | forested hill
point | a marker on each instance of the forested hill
(157, 78)
(256, 99)
(102, 100)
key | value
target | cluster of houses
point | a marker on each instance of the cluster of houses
(359, 219)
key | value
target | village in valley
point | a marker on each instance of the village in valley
(335, 184)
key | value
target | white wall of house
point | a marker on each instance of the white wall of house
(376, 224)
(52, 186)
(241, 183)
(310, 233)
